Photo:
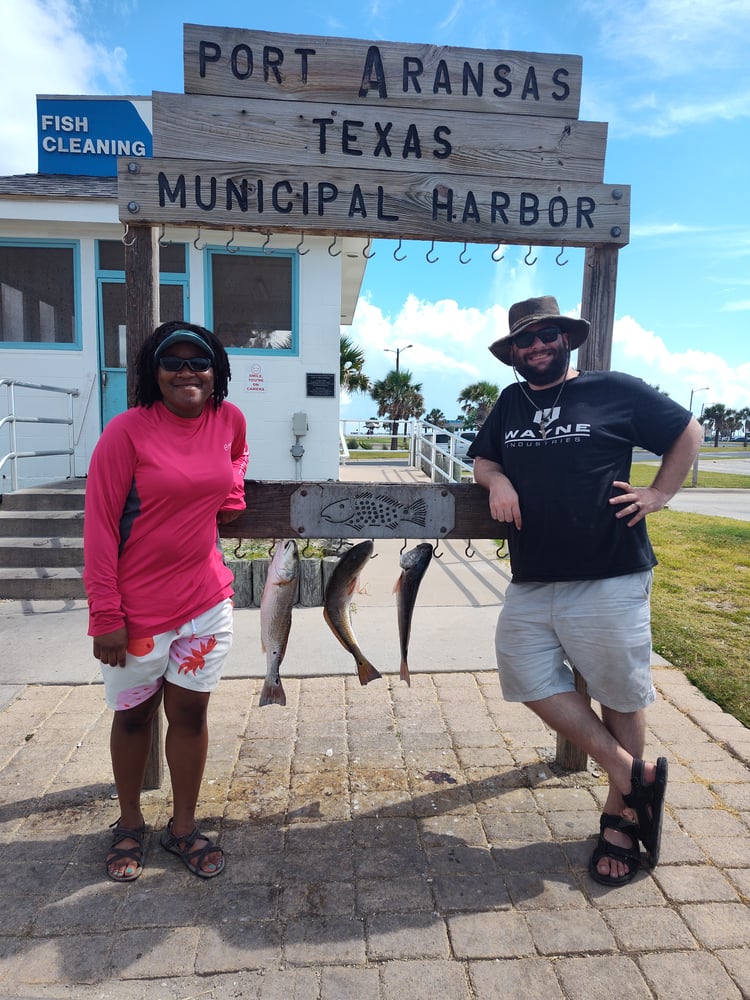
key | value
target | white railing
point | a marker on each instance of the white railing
(439, 453)
(12, 419)
(434, 450)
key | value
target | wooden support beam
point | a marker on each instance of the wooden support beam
(141, 318)
(595, 354)
(141, 293)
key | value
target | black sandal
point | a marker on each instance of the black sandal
(134, 854)
(629, 856)
(193, 859)
(643, 796)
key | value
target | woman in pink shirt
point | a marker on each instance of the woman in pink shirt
(163, 476)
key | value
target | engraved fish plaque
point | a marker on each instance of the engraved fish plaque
(363, 510)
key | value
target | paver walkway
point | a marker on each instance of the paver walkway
(383, 842)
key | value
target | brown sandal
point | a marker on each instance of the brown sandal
(134, 854)
(192, 856)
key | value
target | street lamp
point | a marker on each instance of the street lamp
(397, 351)
(703, 388)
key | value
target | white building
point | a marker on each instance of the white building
(277, 302)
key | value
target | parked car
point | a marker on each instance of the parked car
(463, 441)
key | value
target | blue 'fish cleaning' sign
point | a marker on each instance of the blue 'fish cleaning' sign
(85, 135)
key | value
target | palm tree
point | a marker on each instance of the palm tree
(351, 362)
(436, 417)
(743, 416)
(721, 419)
(477, 400)
(398, 398)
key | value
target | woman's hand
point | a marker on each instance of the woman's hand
(111, 647)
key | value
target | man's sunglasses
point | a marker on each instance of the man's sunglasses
(547, 336)
(169, 363)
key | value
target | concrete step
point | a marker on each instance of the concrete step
(41, 524)
(41, 584)
(47, 498)
(39, 552)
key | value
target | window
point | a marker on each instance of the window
(251, 301)
(38, 294)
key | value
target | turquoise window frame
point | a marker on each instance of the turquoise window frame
(263, 352)
(75, 246)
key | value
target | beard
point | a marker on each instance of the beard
(551, 371)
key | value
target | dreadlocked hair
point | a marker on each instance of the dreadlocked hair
(147, 390)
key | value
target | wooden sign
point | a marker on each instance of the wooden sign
(378, 138)
(407, 205)
(246, 63)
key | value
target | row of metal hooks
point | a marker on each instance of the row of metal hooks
(368, 253)
(469, 551)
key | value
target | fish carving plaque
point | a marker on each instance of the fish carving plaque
(372, 510)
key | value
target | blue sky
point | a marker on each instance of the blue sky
(671, 78)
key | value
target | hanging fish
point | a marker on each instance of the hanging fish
(414, 564)
(279, 595)
(336, 604)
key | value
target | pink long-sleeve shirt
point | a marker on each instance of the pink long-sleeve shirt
(152, 552)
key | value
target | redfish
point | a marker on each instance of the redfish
(279, 595)
(414, 564)
(337, 599)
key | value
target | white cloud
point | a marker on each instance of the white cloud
(643, 353)
(450, 352)
(743, 306)
(44, 51)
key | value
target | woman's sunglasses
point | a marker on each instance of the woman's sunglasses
(172, 364)
(527, 338)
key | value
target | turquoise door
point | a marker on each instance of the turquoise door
(112, 338)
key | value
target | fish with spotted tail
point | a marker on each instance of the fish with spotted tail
(279, 595)
(414, 564)
(336, 604)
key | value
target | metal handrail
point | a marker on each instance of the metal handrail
(12, 419)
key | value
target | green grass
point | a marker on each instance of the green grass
(642, 474)
(701, 603)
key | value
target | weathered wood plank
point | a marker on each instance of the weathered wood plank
(367, 203)
(598, 307)
(141, 292)
(269, 509)
(246, 63)
(388, 140)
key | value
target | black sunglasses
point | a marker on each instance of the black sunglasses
(527, 338)
(170, 363)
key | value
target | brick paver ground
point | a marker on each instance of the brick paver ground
(383, 842)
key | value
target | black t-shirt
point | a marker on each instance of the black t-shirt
(564, 477)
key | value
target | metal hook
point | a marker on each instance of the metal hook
(365, 254)
(561, 263)
(195, 241)
(495, 251)
(272, 548)
(499, 550)
(527, 261)
(267, 241)
(299, 249)
(435, 553)
(469, 551)
(237, 549)
(330, 248)
(462, 255)
(306, 547)
(162, 241)
(400, 551)
(374, 555)
(124, 241)
(340, 546)
(395, 252)
(431, 251)
(229, 248)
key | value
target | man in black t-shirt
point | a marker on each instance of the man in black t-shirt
(555, 457)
